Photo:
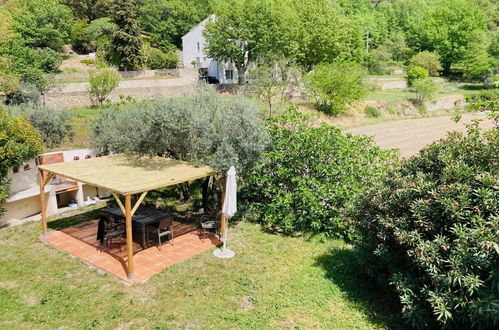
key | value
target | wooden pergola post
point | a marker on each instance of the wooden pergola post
(42, 182)
(129, 236)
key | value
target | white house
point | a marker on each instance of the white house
(193, 56)
(24, 191)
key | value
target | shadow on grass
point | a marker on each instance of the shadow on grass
(343, 269)
(73, 219)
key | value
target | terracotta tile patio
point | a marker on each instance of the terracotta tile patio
(80, 241)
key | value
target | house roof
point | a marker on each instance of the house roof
(126, 176)
(203, 22)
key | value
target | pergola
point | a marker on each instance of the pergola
(122, 175)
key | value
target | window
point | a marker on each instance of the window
(198, 61)
(76, 158)
(88, 157)
(26, 167)
(199, 47)
(229, 74)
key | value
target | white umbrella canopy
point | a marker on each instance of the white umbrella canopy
(229, 208)
(230, 202)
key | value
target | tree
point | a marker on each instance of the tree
(416, 73)
(89, 10)
(19, 142)
(245, 31)
(334, 86)
(54, 126)
(428, 60)
(102, 83)
(167, 21)
(320, 33)
(451, 27)
(43, 23)
(202, 128)
(424, 89)
(126, 43)
(271, 82)
(477, 63)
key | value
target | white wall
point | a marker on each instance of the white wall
(190, 50)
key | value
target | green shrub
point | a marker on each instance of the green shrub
(309, 175)
(333, 87)
(80, 39)
(416, 73)
(26, 93)
(424, 89)
(428, 60)
(379, 62)
(428, 232)
(156, 59)
(102, 83)
(372, 112)
(54, 125)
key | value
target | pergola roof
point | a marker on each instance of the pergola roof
(126, 176)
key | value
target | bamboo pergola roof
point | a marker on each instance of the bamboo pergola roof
(127, 176)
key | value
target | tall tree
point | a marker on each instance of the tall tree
(245, 31)
(126, 40)
(451, 27)
(167, 21)
(89, 10)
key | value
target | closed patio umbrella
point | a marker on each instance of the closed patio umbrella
(229, 208)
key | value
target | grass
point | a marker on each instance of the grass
(273, 282)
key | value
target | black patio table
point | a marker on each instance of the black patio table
(143, 217)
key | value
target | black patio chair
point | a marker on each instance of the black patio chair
(112, 229)
(209, 222)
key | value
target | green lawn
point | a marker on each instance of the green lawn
(274, 282)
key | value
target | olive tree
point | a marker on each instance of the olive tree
(201, 128)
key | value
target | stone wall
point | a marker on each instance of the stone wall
(79, 99)
(83, 75)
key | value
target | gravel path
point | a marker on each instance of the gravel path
(411, 135)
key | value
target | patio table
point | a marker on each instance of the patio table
(141, 219)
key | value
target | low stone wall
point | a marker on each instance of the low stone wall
(388, 83)
(83, 75)
(78, 99)
(446, 103)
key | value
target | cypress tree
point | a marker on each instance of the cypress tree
(127, 41)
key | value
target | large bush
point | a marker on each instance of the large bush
(416, 73)
(310, 174)
(428, 60)
(157, 59)
(54, 126)
(429, 232)
(334, 86)
(102, 83)
(203, 128)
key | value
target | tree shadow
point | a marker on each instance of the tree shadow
(73, 219)
(344, 270)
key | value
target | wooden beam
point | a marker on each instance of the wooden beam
(43, 207)
(120, 204)
(137, 204)
(129, 236)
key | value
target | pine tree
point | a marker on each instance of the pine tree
(127, 40)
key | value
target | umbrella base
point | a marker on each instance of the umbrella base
(224, 254)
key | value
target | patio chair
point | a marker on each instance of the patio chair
(165, 228)
(209, 222)
(113, 229)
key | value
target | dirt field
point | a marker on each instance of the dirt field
(411, 135)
